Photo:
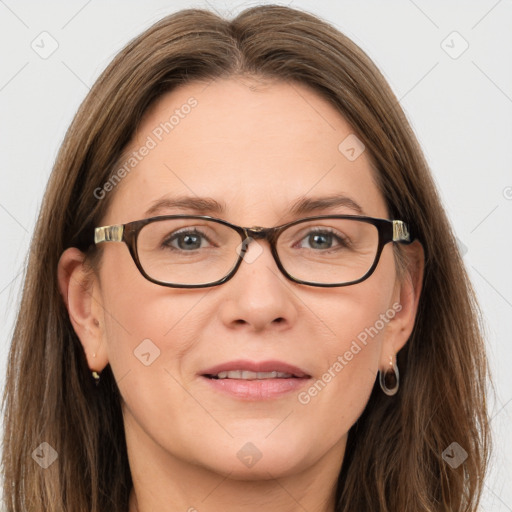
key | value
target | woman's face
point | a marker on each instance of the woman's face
(256, 149)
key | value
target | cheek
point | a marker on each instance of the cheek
(350, 361)
(357, 319)
(146, 326)
(149, 331)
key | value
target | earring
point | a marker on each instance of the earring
(389, 380)
(96, 377)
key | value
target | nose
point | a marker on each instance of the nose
(258, 295)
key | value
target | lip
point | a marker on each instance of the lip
(256, 389)
(256, 366)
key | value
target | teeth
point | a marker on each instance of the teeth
(242, 374)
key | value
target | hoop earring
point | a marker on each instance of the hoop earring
(96, 377)
(390, 379)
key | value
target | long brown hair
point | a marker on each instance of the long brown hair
(393, 460)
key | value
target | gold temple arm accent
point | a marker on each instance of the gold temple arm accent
(400, 232)
(109, 234)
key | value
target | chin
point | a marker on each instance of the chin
(262, 470)
(248, 462)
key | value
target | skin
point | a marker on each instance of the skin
(258, 146)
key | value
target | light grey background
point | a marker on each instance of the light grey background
(460, 107)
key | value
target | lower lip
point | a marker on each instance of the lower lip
(256, 389)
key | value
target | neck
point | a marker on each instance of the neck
(249, 496)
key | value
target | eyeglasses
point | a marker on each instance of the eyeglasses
(197, 251)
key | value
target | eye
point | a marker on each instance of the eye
(323, 238)
(188, 239)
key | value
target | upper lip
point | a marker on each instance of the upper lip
(256, 366)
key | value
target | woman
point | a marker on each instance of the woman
(243, 292)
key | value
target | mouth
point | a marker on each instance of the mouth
(254, 370)
(248, 375)
(249, 380)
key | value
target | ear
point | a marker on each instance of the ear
(79, 288)
(405, 301)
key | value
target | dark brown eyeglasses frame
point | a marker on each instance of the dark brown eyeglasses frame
(388, 230)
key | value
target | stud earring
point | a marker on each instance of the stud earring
(96, 377)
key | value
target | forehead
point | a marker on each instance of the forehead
(254, 146)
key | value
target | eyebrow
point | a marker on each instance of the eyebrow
(208, 205)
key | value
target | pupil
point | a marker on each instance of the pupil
(319, 237)
(188, 239)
